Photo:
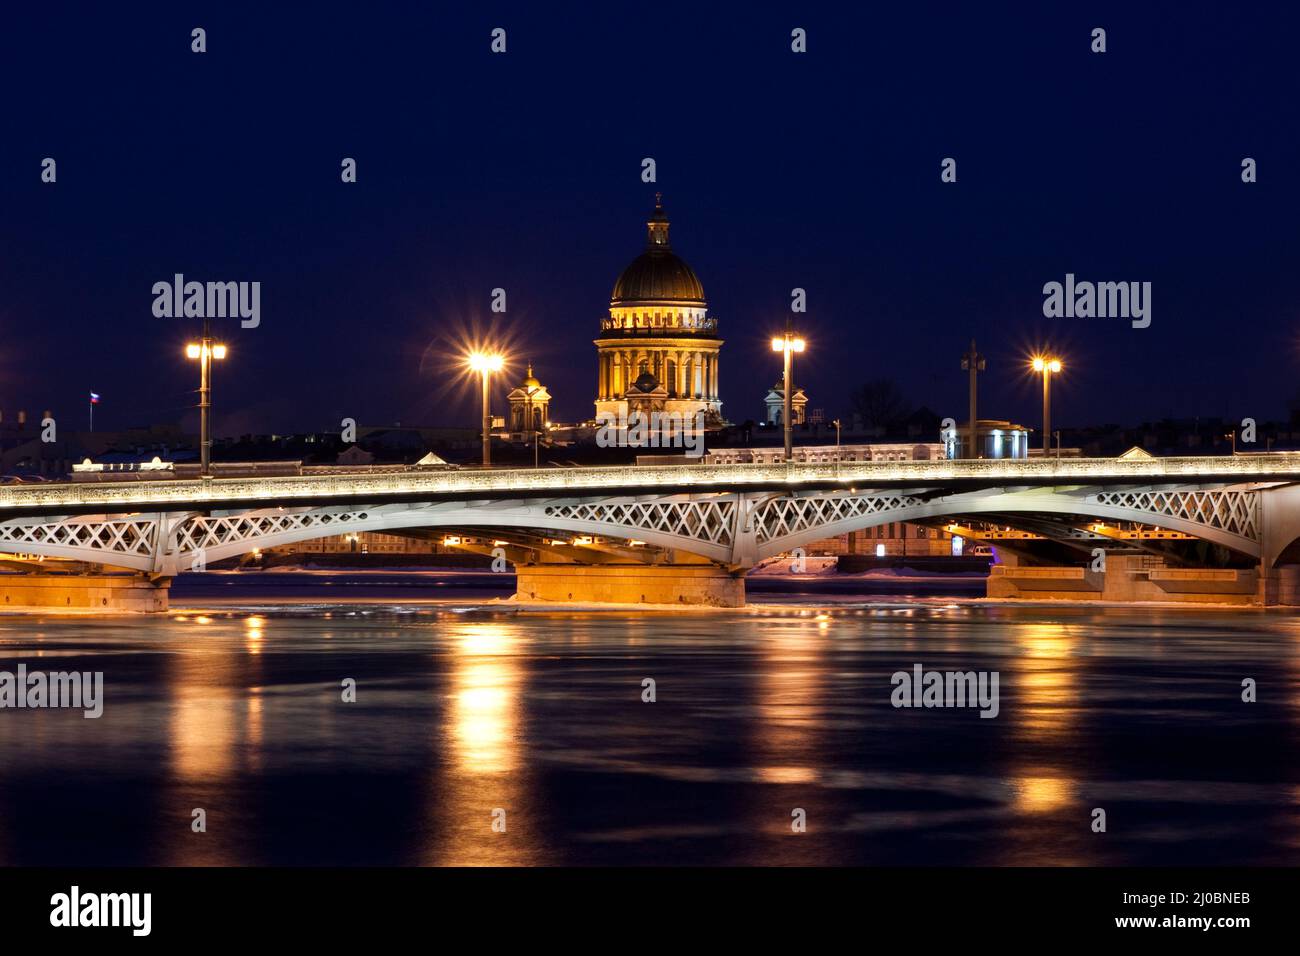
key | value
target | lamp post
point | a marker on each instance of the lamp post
(788, 344)
(972, 362)
(532, 422)
(1048, 367)
(205, 351)
(485, 365)
(836, 423)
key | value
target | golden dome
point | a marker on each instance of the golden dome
(657, 275)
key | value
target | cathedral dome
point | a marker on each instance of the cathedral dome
(658, 274)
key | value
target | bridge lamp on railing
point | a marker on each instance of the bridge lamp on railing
(485, 365)
(205, 351)
(1047, 366)
(788, 344)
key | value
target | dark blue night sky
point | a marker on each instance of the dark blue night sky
(523, 171)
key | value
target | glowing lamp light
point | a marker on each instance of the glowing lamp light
(1048, 364)
(195, 350)
(481, 362)
(779, 344)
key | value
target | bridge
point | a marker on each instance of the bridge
(668, 533)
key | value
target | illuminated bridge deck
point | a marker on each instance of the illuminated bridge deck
(243, 492)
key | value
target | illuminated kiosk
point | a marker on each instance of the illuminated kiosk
(995, 438)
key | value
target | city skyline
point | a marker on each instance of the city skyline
(365, 285)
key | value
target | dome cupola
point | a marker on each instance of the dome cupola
(658, 275)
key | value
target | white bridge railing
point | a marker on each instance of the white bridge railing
(182, 494)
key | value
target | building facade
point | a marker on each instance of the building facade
(774, 405)
(530, 406)
(658, 348)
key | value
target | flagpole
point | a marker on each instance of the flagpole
(92, 414)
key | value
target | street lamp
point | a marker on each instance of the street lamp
(788, 344)
(836, 423)
(973, 363)
(205, 351)
(1047, 366)
(485, 365)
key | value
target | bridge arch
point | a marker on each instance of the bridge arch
(730, 528)
(222, 537)
(790, 522)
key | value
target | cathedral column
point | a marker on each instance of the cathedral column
(699, 374)
(716, 363)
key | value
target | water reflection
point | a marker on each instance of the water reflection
(1045, 724)
(464, 711)
(787, 740)
(485, 698)
(208, 716)
(482, 787)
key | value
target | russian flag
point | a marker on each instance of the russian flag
(94, 398)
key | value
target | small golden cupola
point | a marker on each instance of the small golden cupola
(530, 406)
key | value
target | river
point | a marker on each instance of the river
(471, 718)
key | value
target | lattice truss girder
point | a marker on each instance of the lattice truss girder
(1232, 511)
(199, 533)
(111, 534)
(705, 520)
(786, 516)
